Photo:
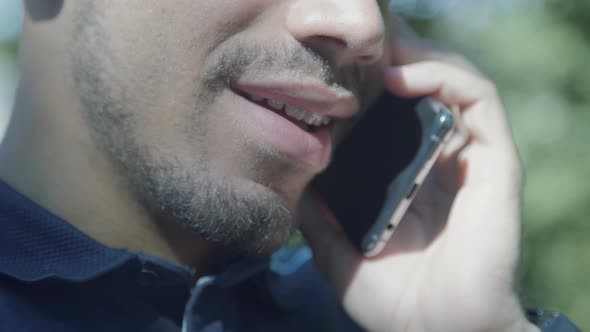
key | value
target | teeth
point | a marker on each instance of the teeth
(307, 117)
(276, 104)
(295, 112)
(311, 119)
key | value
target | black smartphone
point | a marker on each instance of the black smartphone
(378, 168)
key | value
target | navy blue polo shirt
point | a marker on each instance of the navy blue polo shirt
(55, 278)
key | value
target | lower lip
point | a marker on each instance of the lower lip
(287, 138)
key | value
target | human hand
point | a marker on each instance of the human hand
(450, 264)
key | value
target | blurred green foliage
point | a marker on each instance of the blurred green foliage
(9, 47)
(538, 56)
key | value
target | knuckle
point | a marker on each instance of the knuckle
(433, 64)
(468, 65)
(519, 168)
(489, 88)
(460, 61)
(515, 167)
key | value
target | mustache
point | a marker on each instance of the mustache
(293, 62)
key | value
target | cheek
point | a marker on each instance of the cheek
(177, 36)
(155, 50)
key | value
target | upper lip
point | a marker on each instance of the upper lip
(314, 97)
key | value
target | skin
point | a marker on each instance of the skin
(125, 126)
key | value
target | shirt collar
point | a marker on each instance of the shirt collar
(36, 245)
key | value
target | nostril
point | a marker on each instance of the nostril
(328, 46)
(345, 31)
(321, 42)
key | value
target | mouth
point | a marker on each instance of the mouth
(306, 120)
(294, 118)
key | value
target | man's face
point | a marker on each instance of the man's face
(198, 102)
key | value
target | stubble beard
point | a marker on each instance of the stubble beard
(236, 215)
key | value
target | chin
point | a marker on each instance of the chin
(265, 245)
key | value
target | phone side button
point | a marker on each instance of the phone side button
(412, 192)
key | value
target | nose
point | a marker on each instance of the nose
(349, 30)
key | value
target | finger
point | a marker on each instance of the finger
(451, 83)
(459, 138)
(493, 158)
(333, 254)
(477, 98)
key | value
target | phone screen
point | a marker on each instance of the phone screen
(375, 151)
